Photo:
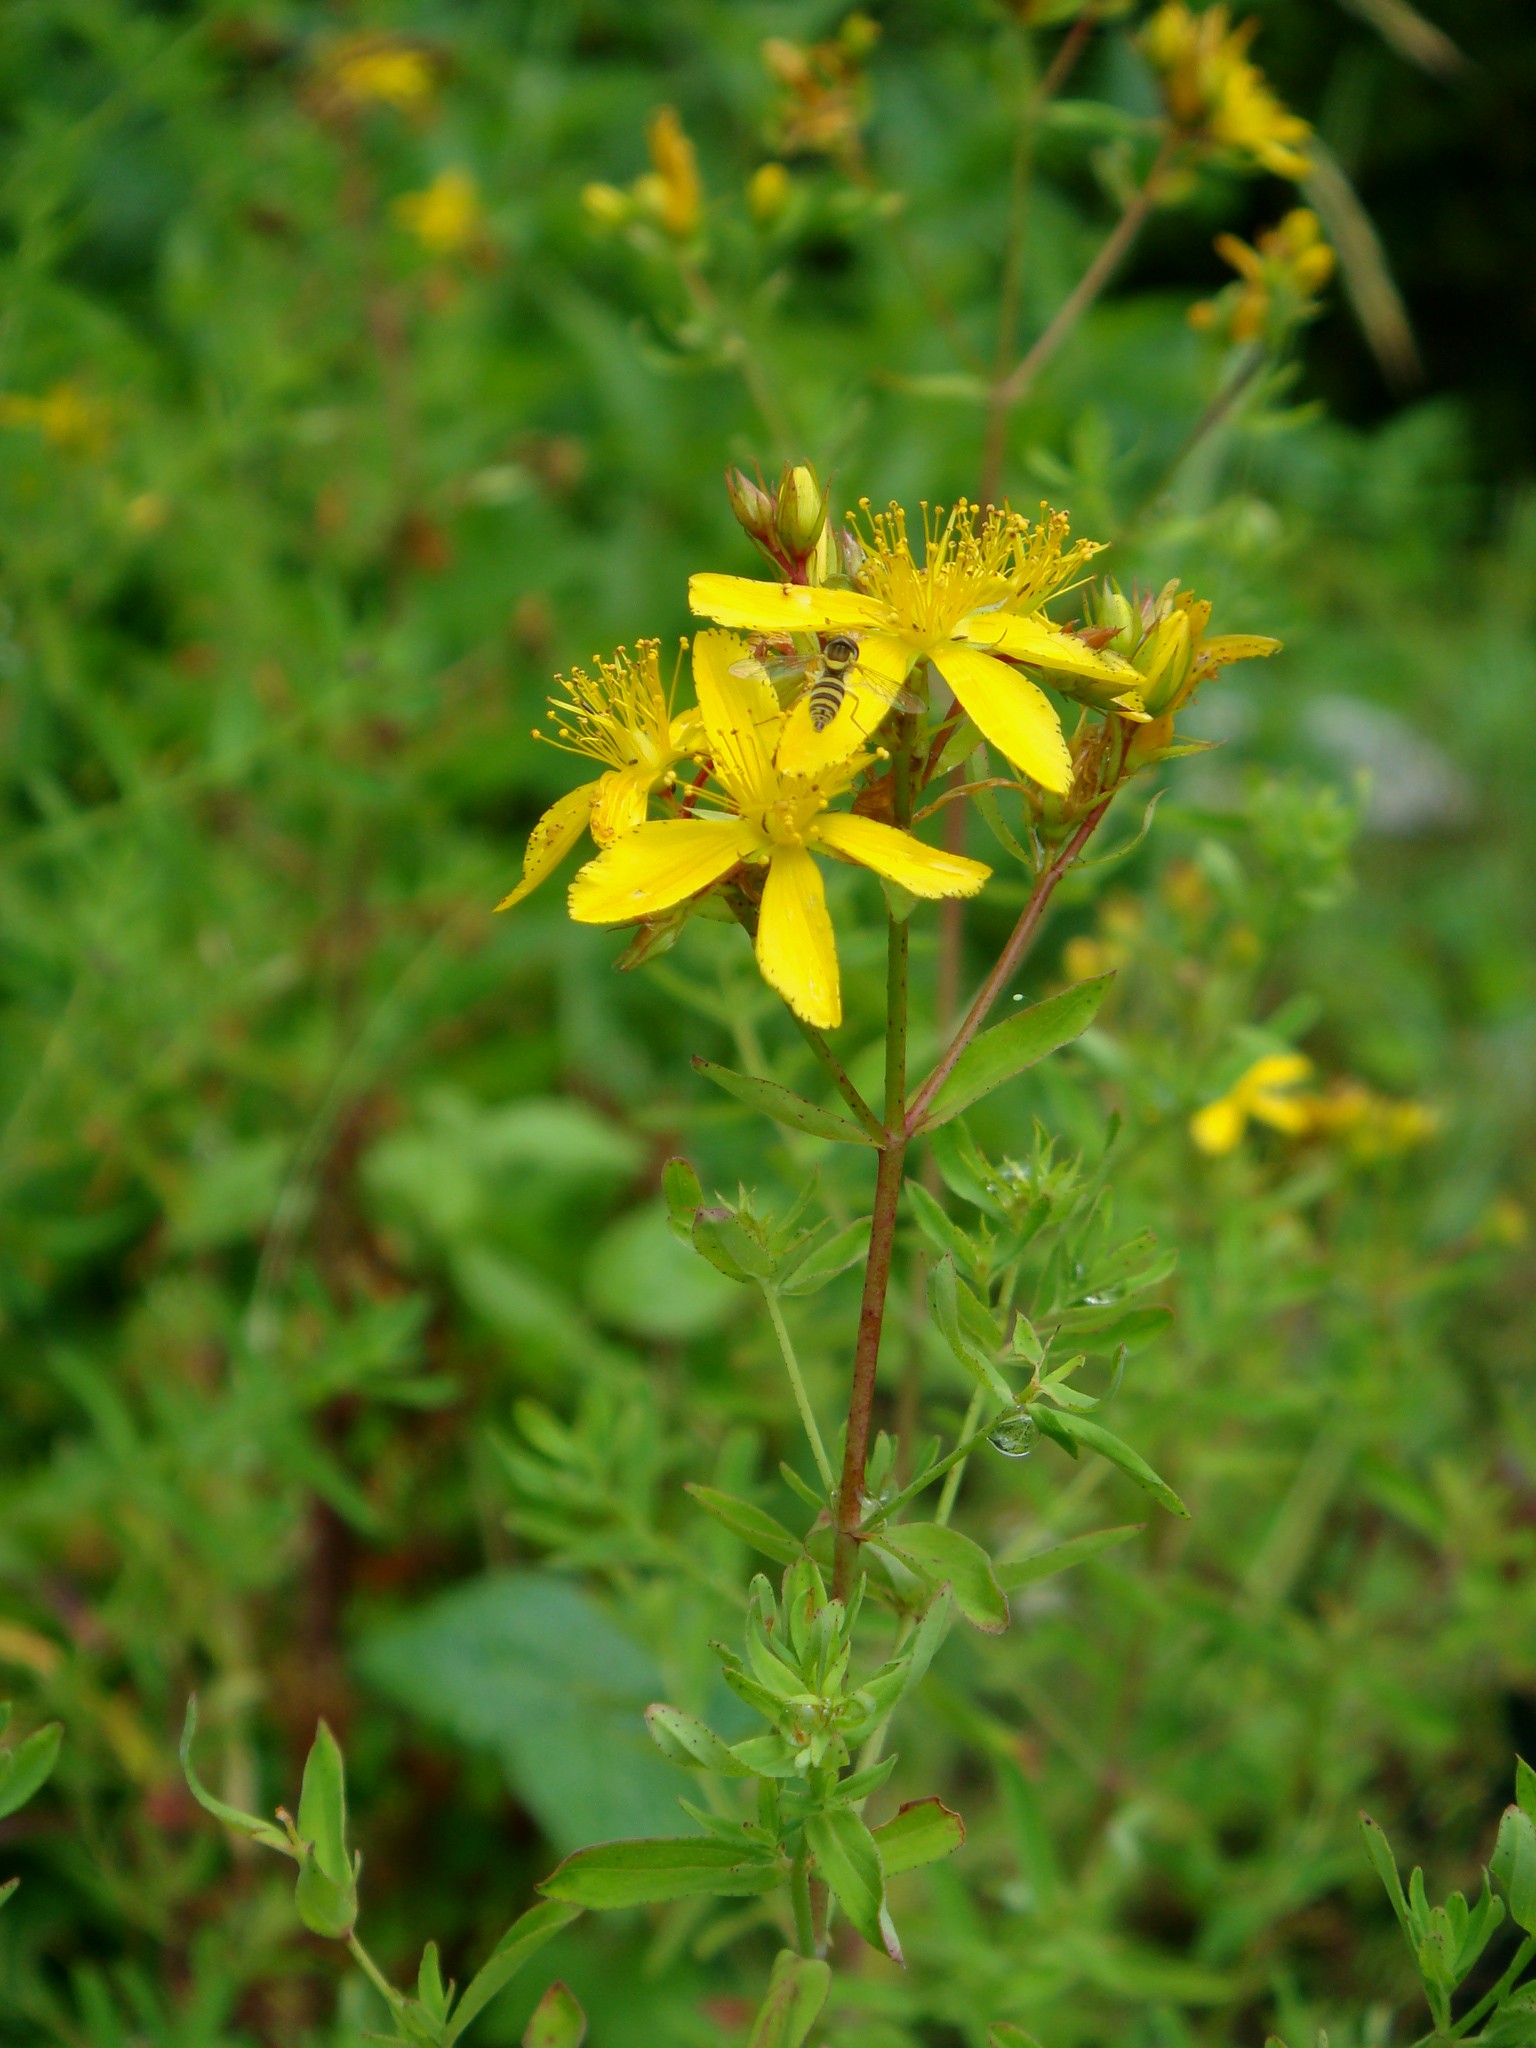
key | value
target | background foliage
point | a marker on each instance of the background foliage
(350, 1366)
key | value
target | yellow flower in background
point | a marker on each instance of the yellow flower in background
(447, 217)
(774, 820)
(671, 192)
(1370, 1126)
(1215, 94)
(972, 601)
(768, 191)
(380, 71)
(622, 717)
(1262, 1095)
(1284, 274)
(823, 95)
(67, 417)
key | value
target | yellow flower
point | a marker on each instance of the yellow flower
(447, 217)
(68, 418)
(621, 717)
(671, 192)
(1216, 95)
(1284, 274)
(824, 99)
(774, 820)
(768, 191)
(1368, 1125)
(1261, 1095)
(379, 71)
(974, 599)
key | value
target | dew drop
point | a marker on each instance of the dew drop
(1016, 1434)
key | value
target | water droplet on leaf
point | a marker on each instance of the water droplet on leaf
(1016, 1434)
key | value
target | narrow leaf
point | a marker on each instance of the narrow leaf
(245, 1823)
(944, 1303)
(1513, 1864)
(829, 1259)
(923, 1831)
(1094, 1437)
(1015, 1572)
(942, 1554)
(29, 1766)
(523, 1939)
(684, 1739)
(558, 2020)
(683, 1194)
(720, 1236)
(849, 1863)
(771, 1099)
(322, 1820)
(1008, 1048)
(641, 1873)
(1384, 1863)
(753, 1525)
(797, 1991)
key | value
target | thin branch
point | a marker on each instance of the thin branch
(1008, 961)
(797, 1385)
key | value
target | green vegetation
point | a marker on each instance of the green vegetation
(354, 1368)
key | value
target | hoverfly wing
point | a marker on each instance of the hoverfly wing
(773, 668)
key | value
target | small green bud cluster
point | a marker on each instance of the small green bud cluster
(788, 523)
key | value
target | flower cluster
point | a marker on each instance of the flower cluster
(1217, 98)
(823, 96)
(1279, 281)
(862, 671)
(669, 196)
(1366, 1125)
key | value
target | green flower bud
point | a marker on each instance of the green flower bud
(1165, 660)
(753, 507)
(801, 510)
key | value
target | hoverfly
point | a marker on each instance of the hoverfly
(826, 678)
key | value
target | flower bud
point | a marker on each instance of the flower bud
(801, 510)
(753, 507)
(1111, 607)
(1166, 662)
(606, 206)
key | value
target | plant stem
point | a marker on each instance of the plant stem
(1088, 286)
(827, 1059)
(800, 1898)
(373, 1973)
(1522, 1956)
(1249, 366)
(1008, 960)
(797, 1384)
(888, 1177)
(968, 1436)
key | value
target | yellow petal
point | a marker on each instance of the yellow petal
(551, 840)
(1275, 1070)
(657, 866)
(1218, 1128)
(1229, 647)
(919, 869)
(1292, 1114)
(873, 684)
(1010, 711)
(741, 716)
(795, 947)
(1043, 645)
(782, 607)
(620, 802)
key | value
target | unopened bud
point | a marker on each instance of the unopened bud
(801, 510)
(1166, 662)
(1112, 608)
(753, 507)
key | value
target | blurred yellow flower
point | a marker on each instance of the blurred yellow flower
(67, 417)
(1262, 1095)
(970, 607)
(379, 71)
(824, 99)
(447, 217)
(623, 718)
(770, 819)
(768, 191)
(1282, 276)
(672, 192)
(1368, 1125)
(1215, 95)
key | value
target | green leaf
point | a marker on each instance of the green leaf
(523, 1939)
(28, 1766)
(615, 1874)
(827, 1260)
(326, 1908)
(923, 1831)
(849, 1864)
(1094, 1437)
(943, 1554)
(1514, 2024)
(1513, 1864)
(322, 1820)
(683, 1195)
(771, 1099)
(1106, 1329)
(558, 2020)
(1384, 1863)
(1525, 1787)
(1012, 1573)
(684, 1739)
(720, 1236)
(752, 1524)
(797, 1991)
(250, 1824)
(1008, 1048)
(944, 1302)
(941, 1231)
(431, 1992)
